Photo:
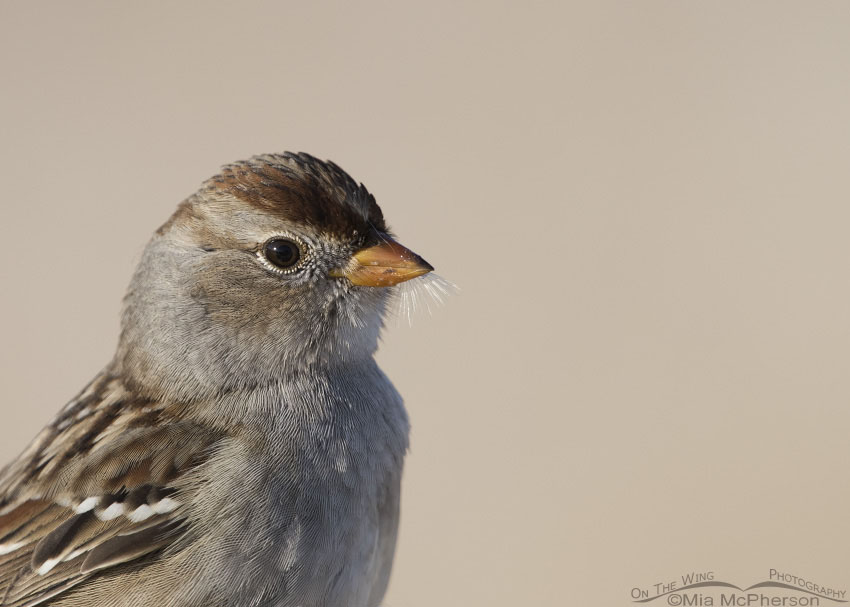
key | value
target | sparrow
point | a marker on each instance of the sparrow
(242, 448)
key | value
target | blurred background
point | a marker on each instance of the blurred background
(644, 204)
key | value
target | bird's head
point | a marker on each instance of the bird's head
(279, 264)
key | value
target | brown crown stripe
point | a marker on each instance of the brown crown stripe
(298, 188)
(302, 189)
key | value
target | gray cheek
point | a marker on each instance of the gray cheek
(191, 327)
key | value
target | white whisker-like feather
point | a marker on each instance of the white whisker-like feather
(428, 291)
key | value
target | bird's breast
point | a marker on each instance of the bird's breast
(327, 509)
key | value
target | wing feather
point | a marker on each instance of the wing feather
(103, 485)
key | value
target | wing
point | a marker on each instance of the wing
(104, 484)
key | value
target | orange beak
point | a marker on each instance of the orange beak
(383, 265)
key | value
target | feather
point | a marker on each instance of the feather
(60, 542)
(94, 492)
(128, 546)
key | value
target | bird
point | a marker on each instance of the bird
(242, 447)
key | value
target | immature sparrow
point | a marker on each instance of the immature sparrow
(242, 448)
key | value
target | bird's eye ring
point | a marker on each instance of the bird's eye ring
(282, 255)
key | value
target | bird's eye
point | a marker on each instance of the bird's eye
(282, 253)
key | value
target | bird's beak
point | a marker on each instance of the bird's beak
(383, 265)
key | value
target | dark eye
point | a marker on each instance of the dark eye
(282, 253)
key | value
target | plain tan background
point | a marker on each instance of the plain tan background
(645, 205)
